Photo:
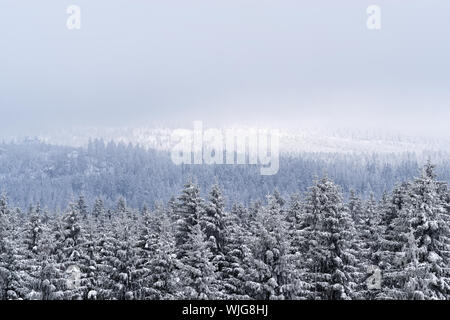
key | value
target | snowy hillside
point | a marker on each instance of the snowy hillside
(291, 140)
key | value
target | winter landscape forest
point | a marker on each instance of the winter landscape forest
(315, 246)
(224, 150)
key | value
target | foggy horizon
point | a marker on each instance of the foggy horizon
(287, 64)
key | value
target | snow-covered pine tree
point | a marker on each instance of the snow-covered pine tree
(118, 264)
(275, 274)
(67, 253)
(295, 218)
(82, 207)
(367, 244)
(213, 224)
(29, 251)
(33, 233)
(390, 242)
(212, 221)
(190, 207)
(89, 260)
(423, 225)
(156, 265)
(278, 198)
(121, 208)
(355, 207)
(44, 279)
(98, 211)
(9, 280)
(238, 260)
(197, 273)
(329, 234)
(4, 209)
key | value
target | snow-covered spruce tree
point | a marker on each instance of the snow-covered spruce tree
(390, 242)
(4, 209)
(276, 274)
(121, 208)
(156, 265)
(197, 273)
(89, 259)
(30, 253)
(126, 215)
(172, 210)
(212, 221)
(213, 225)
(98, 211)
(295, 217)
(13, 222)
(369, 227)
(423, 270)
(45, 278)
(10, 286)
(105, 248)
(82, 207)
(329, 233)
(278, 198)
(118, 264)
(190, 207)
(145, 248)
(295, 221)
(71, 234)
(67, 253)
(364, 241)
(367, 244)
(238, 259)
(355, 207)
(33, 233)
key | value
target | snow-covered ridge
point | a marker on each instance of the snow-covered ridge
(291, 140)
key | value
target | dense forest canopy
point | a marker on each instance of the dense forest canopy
(315, 246)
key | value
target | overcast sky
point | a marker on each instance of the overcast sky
(282, 63)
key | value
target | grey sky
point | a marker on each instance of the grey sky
(287, 63)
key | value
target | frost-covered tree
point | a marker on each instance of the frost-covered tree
(197, 273)
(118, 256)
(4, 209)
(329, 232)
(237, 265)
(212, 220)
(33, 233)
(275, 274)
(121, 208)
(9, 280)
(82, 207)
(355, 207)
(98, 211)
(389, 241)
(422, 268)
(157, 265)
(67, 252)
(190, 208)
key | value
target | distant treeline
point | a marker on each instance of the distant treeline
(33, 172)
